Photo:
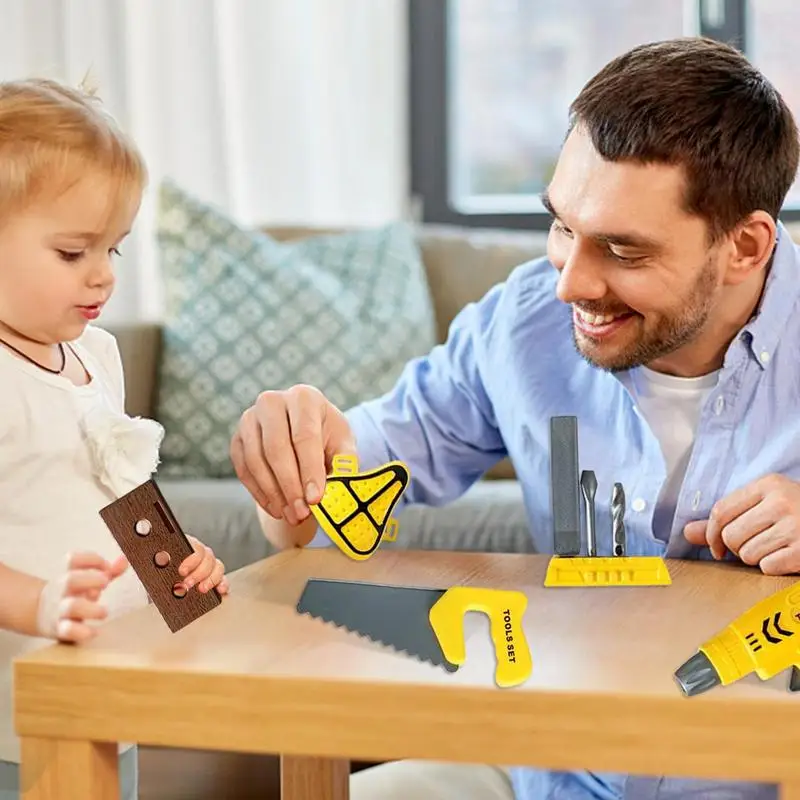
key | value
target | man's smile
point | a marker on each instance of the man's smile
(599, 326)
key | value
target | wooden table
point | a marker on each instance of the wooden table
(254, 676)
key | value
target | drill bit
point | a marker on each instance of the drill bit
(589, 489)
(618, 519)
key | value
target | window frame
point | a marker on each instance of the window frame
(429, 143)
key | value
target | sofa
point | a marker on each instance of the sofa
(461, 264)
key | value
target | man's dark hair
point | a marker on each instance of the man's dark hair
(700, 104)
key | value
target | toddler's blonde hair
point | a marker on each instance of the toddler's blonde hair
(51, 135)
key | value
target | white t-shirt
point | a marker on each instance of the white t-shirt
(671, 406)
(66, 451)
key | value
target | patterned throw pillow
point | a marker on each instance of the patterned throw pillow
(245, 313)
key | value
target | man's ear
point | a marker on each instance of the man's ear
(751, 244)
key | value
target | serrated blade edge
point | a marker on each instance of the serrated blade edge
(392, 616)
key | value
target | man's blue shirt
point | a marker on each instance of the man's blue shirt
(509, 365)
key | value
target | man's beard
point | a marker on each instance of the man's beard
(671, 333)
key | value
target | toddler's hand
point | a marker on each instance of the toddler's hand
(68, 604)
(203, 569)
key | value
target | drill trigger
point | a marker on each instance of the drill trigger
(794, 679)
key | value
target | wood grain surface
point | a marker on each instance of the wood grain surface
(152, 539)
(257, 677)
(317, 778)
(88, 769)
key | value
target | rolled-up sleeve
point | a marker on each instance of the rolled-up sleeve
(439, 419)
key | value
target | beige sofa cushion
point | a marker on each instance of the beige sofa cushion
(463, 265)
(489, 516)
(140, 349)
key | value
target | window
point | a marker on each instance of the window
(491, 82)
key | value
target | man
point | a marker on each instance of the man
(666, 317)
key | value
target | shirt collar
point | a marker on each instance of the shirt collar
(763, 332)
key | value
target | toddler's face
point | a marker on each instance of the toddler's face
(56, 270)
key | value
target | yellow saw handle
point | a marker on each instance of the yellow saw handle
(505, 610)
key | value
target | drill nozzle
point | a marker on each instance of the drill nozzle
(697, 675)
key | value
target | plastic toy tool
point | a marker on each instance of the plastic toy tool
(355, 509)
(567, 567)
(765, 639)
(425, 623)
(505, 610)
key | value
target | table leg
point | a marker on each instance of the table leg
(789, 791)
(321, 778)
(55, 769)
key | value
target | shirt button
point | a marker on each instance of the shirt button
(638, 504)
(719, 404)
(764, 356)
(696, 501)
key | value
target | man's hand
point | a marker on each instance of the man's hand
(760, 523)
(283, 449)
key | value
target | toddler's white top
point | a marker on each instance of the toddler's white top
(66, 451)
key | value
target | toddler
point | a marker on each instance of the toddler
(70, 187)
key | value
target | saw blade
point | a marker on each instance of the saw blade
(394, 616)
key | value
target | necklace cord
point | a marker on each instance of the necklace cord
(35, 362)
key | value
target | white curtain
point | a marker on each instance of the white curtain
(277, 111)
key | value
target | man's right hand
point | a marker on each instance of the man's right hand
(283, 449)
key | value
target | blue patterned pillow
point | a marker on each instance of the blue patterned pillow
(245, 313)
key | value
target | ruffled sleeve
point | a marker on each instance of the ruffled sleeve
(124, 450)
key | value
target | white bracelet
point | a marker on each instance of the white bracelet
(47, 614)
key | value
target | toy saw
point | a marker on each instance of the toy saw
(425, 623)
(355, 508)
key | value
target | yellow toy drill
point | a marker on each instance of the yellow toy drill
(765, 639)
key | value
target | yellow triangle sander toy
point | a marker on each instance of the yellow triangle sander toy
(355, 510)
